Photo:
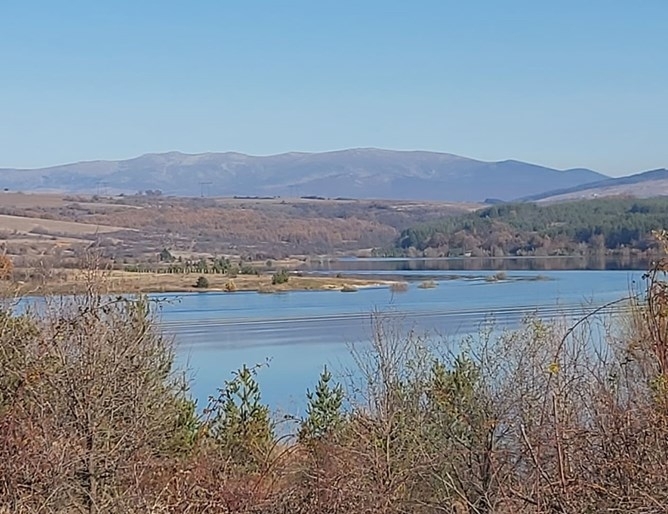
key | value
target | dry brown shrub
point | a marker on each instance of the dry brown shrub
(6, 267)
(91, 396)
(548, 418)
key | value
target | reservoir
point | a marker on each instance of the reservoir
(297, 333)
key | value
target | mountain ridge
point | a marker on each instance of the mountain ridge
(351, 173)
(644, 184)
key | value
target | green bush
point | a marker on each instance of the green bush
(280, 277)
(202, 283)
(247, 269)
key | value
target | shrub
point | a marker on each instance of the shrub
(6, 267)
(88, 396)
(280, 277)
(399, 287)
(247, 269)
(541, 419)
(202, 282)
(166, 256)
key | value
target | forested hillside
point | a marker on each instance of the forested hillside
(134, 229)
(529, 229)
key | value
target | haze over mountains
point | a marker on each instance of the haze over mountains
(641, 185)
(353, 173)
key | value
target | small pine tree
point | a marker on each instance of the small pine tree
(187, 424)
(242, 424)
(323, 413)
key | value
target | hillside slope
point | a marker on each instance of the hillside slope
(647, 184)
(354, 173)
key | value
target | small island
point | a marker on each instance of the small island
(66, 282)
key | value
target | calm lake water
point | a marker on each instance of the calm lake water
(299, 332)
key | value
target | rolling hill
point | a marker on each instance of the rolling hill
(647, 184)
(353, 173)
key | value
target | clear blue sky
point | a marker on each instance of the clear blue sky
(561, 83)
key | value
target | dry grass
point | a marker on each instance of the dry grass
(130, 282)
(26, 224)
(53, 200)
(29, 200)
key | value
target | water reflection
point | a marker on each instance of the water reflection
(590, 262)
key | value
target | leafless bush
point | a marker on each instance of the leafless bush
(553, 417)
(91, 398)
(546, 418)
(399, 287)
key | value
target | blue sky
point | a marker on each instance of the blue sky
(564, 84)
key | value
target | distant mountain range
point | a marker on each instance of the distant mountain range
(354, 173)
(641, 185)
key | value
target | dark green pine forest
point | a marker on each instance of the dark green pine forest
(599, 225)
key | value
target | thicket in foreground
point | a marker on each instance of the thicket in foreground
(87, 399)
(543, 419)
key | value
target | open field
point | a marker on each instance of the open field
(37, 225)
(30, 200)
(51, 200)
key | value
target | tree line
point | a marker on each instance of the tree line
(167, 263)
(530, 229)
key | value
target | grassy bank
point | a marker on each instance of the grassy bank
(119, 282)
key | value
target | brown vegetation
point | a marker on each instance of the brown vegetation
(543, 419)
(44, 280)
(136, 228)
(49, 226)
(6, 267)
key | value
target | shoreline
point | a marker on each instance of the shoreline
(123, 282)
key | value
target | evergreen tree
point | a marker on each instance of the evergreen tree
(323, 413)
(166, 256)
(242, 424)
